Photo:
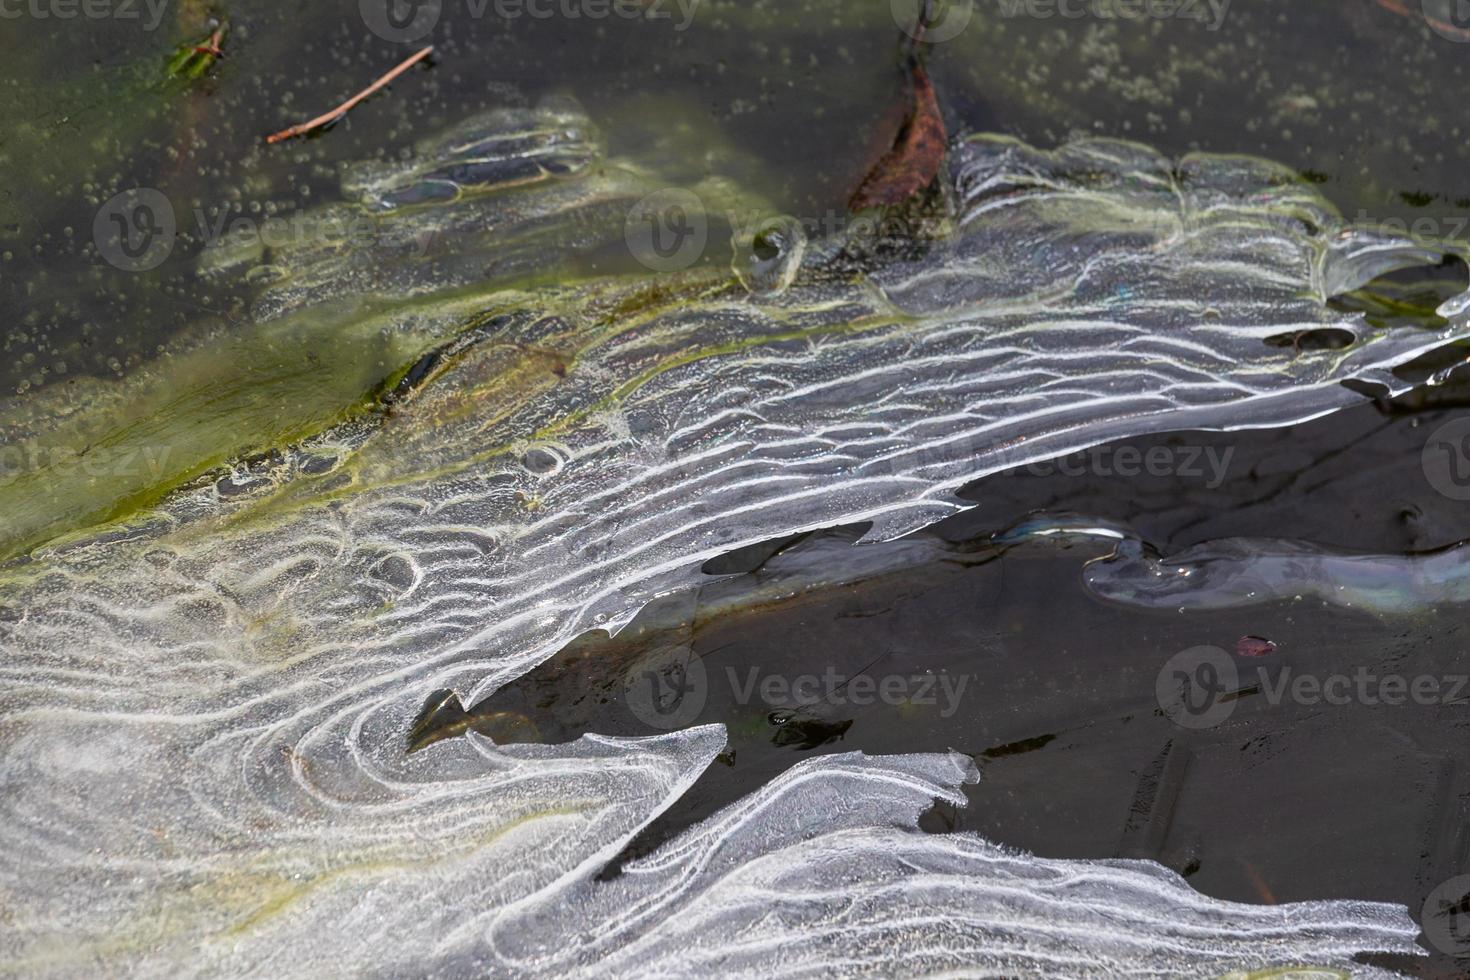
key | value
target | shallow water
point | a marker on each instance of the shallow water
(330, 655)
(789, 98)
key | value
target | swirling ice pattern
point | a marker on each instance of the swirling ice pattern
(923, 905)
(202, 741)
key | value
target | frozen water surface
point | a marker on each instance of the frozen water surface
(205, 711)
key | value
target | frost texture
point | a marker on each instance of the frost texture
(202, 762)
(822, 872)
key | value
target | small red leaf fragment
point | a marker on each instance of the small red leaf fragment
(916, 156)
(1254, 646)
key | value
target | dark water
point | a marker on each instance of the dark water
(792, 98)
(1002, 657)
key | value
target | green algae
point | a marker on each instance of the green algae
(194, 412)
(338, 322)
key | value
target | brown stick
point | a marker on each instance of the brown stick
(328, 118)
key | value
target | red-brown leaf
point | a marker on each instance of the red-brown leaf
(916, 156)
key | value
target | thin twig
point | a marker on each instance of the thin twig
(327, 118)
